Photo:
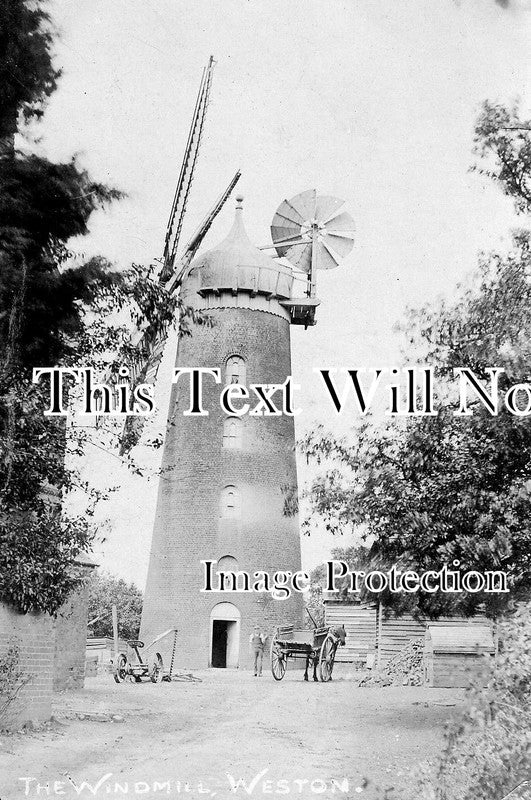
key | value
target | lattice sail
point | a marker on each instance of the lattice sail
(178, 209)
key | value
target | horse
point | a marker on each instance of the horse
(339, 637)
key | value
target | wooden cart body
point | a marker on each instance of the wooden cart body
(316, 646)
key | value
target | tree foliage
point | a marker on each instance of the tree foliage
(43, 205)
(106, 590)
(27, 74)
(53, 311)
(503, 144)
(445, 489)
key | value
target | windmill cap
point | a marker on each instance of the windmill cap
(237, 265)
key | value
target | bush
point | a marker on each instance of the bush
(12, 679)
(487, 753)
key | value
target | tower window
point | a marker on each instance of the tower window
(227, 564)
(235, 370)
(232, 433)
(230, 503)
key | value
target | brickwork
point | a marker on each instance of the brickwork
(34, 635)
(51, 655)
(70, 641)
(196, 468)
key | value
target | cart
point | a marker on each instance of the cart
(318, 647)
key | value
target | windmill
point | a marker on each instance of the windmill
(312, 232)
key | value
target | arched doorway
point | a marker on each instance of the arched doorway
(224, 635)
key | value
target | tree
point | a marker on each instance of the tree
(53, 311)
(27, 75)
(41, 313)
(443, 489)
(106, 590)
(503, 144)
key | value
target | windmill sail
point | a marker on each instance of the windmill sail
(178, 209)
(149, 344)
(150, 348)
(195, 242)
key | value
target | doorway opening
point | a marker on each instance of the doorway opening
(220, 637)
(224, 636)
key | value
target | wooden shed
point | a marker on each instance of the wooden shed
(455, 654)
(360, 623)
(372, 634)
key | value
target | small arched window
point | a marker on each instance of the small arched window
(230, 503)
(227, 564)
(232, 433)
(235, 370)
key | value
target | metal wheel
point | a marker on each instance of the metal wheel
(121, 668)
(278, 660)
(157, 669)
(326, 659)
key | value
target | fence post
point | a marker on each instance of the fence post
(115, 631)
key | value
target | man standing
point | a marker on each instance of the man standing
(257, 643)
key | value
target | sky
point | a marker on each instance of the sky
(371, 101)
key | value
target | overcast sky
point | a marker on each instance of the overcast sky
(373, 101)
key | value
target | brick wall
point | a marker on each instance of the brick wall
(70, 640)
(196, 467)
(33, 633)
(52, 655)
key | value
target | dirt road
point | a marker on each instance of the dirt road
(292, 738)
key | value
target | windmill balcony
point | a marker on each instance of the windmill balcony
(274, 281)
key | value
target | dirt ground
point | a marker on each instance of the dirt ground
(293, 738)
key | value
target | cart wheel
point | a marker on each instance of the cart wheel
(157, 670)
(121, 670)
(326, 659)
(278, 660)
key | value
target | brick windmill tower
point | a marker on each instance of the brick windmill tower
(221, 496)
(222, 490)
(221, 499)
